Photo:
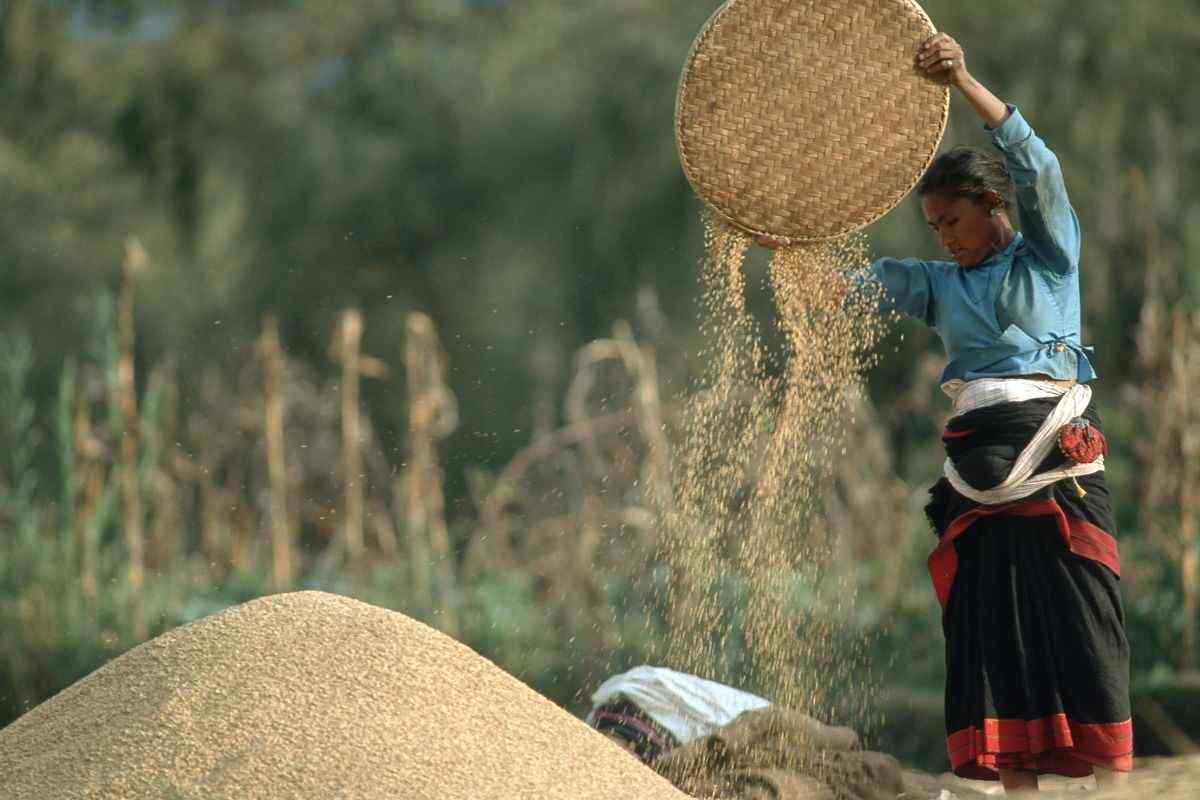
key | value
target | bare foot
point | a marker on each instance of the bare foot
(1109, 779)
(1018, 782)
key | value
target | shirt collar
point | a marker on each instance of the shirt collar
(1006, 253)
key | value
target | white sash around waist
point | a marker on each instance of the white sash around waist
(1021, 482)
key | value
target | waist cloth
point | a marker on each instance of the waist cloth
(1027, 573)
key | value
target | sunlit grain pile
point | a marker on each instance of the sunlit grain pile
(309, 695)
(759, 441)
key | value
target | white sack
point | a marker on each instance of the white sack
(687, 706)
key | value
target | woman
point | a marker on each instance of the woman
(1026, 568)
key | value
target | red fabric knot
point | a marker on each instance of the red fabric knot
(1081, 442)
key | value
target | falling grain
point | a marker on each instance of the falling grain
(760, 436)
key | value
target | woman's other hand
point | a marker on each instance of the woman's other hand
(941, 59)
(828, 299)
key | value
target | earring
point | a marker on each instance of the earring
(995, 212)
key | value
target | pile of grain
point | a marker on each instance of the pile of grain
(761, 435)
(309, 695)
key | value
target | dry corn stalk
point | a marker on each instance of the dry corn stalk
(350, 338)
(348, 350)
(585, 472)
(135, 262)
(281, 537)
(432, 416)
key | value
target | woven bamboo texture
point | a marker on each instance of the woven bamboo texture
(806, 119)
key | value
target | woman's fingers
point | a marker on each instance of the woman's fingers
(933, 55)
(943, 58)
(946, 60)
(937, 48)
(934, 39)
(932, 45)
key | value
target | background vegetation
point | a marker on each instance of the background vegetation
(390, 299)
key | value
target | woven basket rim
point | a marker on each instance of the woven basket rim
(691, 170)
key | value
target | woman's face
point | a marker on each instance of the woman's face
(964, 226)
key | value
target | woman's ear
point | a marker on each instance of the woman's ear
(994, 203)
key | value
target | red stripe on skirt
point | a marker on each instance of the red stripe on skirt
(949, 434)
(1081, 538)
(1053, 744)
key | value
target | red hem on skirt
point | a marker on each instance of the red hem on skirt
(1081, 538)
(1053, 744)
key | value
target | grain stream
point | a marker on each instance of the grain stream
(760, 435)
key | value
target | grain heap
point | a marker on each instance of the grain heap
(309, 695)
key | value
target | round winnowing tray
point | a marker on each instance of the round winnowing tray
(807, 119)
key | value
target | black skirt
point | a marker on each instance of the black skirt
(1037, 661)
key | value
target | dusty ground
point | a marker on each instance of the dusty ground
(308, 695)
(1153, 779)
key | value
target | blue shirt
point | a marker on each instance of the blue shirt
(1017, 313)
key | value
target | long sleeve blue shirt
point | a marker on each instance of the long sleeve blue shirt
(1017, 313)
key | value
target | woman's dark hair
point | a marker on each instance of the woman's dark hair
(967, 172)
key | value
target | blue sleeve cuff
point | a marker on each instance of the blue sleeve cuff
(1013, 131)
(906, 287)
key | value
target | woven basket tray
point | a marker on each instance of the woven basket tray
(806, 119)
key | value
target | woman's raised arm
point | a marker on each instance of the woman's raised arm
(1047, 219)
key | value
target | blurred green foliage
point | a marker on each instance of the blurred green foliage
(507, 167)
